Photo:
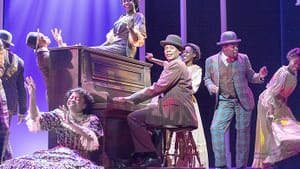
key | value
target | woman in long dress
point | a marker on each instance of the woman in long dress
(191, 54)
(277, 131)
(76, 129)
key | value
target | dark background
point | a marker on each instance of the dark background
(268, 29)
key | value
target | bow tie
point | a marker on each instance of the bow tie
(230, 59)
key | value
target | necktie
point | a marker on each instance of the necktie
(230, 59)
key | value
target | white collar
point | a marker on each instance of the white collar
(224, 58)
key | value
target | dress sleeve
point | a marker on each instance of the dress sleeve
(196, 74)
(45, 121)
(94, 129)
(139, 29)
(274, 88)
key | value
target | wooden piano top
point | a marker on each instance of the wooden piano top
(97, 71)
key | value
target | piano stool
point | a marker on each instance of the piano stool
(184, 142)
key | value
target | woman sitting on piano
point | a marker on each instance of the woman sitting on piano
(128, 32)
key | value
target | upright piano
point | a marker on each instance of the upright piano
(105, 75)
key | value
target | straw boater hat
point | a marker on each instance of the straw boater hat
(173, 40)
(228, 37)
(6, 37)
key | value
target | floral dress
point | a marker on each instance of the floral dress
(278, 133)
(72, 151)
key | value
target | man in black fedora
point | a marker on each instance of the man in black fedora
(174, 108)
(13, 84)
(227, 74)
(40, 42)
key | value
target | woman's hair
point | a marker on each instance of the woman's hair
(88, 98)
(196, 50)
(293, 53)
(136, 4)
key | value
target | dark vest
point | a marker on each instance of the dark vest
(226, 81)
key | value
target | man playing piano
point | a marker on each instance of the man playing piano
(174, 108)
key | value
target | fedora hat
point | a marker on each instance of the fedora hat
(173, 40)
(228, 37)
(6, 37)
(32, 39)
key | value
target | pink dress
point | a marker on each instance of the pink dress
(277, 138)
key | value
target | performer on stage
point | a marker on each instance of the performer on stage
(277, 130)
(39, 42)
(227, 74)
(175, 106)
(76, 128)
(190, 55)
(13, 83)
(4, 115)
(128, 33)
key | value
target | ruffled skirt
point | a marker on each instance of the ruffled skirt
(56, 158)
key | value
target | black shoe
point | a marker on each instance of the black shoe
(151, 162)
(137, 159)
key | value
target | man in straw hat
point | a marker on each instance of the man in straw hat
(226, 76)
(174, 108)
(13, 83)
